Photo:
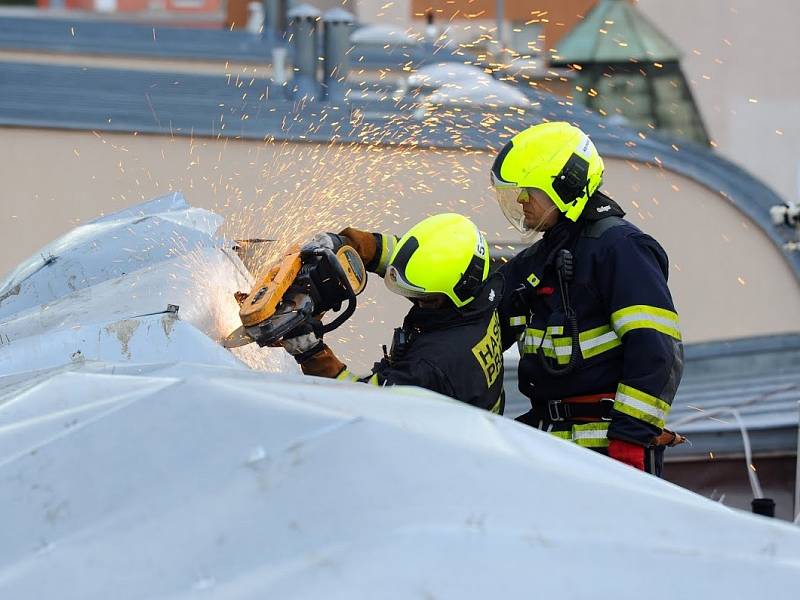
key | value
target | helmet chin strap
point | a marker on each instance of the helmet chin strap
(544, 217)
(529, 235)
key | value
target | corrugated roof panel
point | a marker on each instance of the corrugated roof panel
(82, 35)
(767, 397)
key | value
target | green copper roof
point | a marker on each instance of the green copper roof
(614, 31)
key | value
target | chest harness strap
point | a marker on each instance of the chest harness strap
(566, 271)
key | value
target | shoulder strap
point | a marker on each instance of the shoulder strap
(531, 250)
(595, 229)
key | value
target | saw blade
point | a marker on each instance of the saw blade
(238, 337)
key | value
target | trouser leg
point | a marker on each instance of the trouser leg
(654, 460)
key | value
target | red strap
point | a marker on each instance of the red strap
(589, 399)
(545, 291)
(625, 452)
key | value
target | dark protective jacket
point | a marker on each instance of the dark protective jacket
(453, 351)
(628, 331)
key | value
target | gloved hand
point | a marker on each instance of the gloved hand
(363, 242)
(331, 241)
(302, 343)
(626, 452)
(314, 357)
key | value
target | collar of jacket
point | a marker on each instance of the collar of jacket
(599, 207)
(431, 319)
(564, 233)
(561, 235)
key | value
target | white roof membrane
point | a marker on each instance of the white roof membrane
(140, 459)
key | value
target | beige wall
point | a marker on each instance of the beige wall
(727, 278)
(735, 51)
(397, 12)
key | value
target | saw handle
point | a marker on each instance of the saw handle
(333, 261)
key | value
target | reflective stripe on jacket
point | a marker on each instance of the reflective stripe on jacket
(629, 333)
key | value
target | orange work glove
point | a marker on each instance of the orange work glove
(322, 364)
(362, 242)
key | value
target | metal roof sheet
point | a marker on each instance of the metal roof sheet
(64, 305)
(82, 35)
(759, 377)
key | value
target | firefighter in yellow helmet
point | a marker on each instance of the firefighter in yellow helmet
(588, 304)
(450, 339)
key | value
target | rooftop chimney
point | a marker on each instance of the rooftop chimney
(338, 24)
(274, 18)
(303, 26)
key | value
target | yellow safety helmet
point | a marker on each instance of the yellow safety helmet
(443, 254)
(557, 158)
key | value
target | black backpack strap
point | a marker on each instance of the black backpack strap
(595, 229)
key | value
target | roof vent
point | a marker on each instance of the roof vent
(338, 23)
(453, 84)
(380, 35)
(303, 24)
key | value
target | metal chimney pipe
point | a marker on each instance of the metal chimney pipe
(338, 25)
(500, 11)
(272, 25)
(255, 18)
(279, 65)
(303, 25)
(275, 17)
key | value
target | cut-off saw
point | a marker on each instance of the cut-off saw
(296, 292)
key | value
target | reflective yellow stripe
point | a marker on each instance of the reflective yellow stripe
(346, 375)
(588, 435)
(591, 435)
(642, 316)
(598, 340)
(514, 321)
(530, 341)
(388, 242)
(641, 405)
(592, 342)
(558, 348)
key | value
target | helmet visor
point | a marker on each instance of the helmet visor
(396, 283)
(509, 200)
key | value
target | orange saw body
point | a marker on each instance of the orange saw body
(265, 296)
(296, 291)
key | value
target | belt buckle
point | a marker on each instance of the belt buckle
(552, 410)
(608, 418)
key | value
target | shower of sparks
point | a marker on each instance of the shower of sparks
(322, 167)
